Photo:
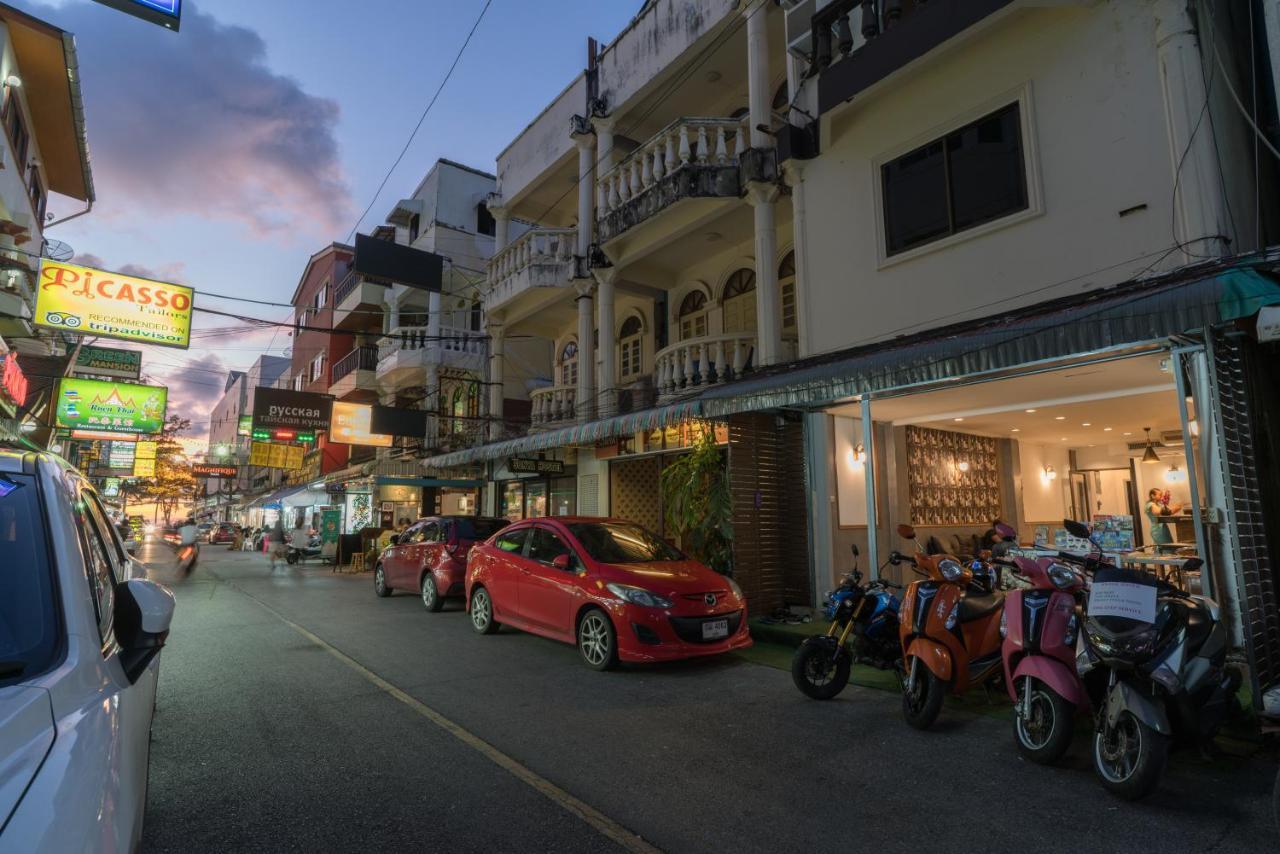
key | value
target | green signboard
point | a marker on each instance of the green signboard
(107, 406)
(109, 362)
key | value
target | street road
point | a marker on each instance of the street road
(297, 712)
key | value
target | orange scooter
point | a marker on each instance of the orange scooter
(950, 631)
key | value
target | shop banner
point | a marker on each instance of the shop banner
(111, 487)
(518, 465)
(282, 408)
(275, 456)
(146, 450)
(109, 362)
(144, 468)
(13, 380)
(245, 427)
(213, 470)
(114, 407)
(330, 530)
(166, 13)
(389, 421)
(351, 426)
(111, 305)
(121, 455)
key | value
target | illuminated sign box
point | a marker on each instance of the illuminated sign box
(166, 13)
(102, 435)
(211, 470)
(265, 435)
(95, 405)
(245, 427)
(286, 409)
(109, 362)
(275, 456)
(111, 305)
(351, 426)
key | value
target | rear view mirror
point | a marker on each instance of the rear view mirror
(561, 562)
(1076, 529)
(143, 613)
(1193, 564)
(906, 532)
(1006, 532)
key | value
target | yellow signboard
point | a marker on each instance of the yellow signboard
(146, 450)
(273, 455)
(351, 425)
(112, 305)
(144, 468)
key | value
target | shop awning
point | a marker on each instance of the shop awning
(428, 481)
(274, 499)
(577, 434)
(1127, 315)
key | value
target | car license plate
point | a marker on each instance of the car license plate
(713, 629)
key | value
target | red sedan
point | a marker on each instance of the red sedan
(430, 557)
(609, 586)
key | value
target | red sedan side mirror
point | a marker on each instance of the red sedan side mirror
(561, 562)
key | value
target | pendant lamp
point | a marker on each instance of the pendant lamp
(1150, 455)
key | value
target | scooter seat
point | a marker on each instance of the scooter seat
(976, 607)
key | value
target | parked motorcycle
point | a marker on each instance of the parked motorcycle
(950, 632)
(1040, 625)
(866, 613)
(1153, 659)
(297, 554)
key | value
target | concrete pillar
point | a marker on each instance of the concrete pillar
(794, 175)
(759, 98)
(762, 198)
(605, 279)
(497, 373)
(1199, 207)
(585, 408)
(586, 191)
(501, 221)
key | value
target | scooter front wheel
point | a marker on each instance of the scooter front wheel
(922, 701)
(1129, 757)
(1042, 727)
(820, 668)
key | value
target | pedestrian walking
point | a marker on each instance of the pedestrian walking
(277, 550)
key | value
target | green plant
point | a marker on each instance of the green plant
(697, 503)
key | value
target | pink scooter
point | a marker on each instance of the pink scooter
(1039, 627)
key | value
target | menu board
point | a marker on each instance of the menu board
(275, 456)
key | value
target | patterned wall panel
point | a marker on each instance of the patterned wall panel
(633, 491)
(954, 478)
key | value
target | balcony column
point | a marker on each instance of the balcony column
(585, 404)
(759, 98)
(605, 279)
(501, 221)
(496, 375)
(583, 139)
(763, 197)
(1198, 206)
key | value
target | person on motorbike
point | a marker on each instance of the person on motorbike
(188, 551)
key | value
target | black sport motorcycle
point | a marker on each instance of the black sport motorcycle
(867, 615)
(1153, 682)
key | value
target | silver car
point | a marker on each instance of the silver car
(80, 634)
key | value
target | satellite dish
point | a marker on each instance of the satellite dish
(56, 250)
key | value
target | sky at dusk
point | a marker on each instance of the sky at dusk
(226, 154)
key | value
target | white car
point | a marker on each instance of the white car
(80, 634)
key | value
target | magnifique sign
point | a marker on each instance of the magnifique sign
(95, 405)
(111, 305)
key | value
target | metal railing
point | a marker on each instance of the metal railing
(363, 358)
(699, 362)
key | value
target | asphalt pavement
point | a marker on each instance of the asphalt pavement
(298, 712)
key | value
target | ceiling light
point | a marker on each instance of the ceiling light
(1059, 418)
(1106, 429)
(1063, 439)
(1150, 455)
(1128, 434)
(957, 419)
(1086, 424)
(1016, 430)
(963, 465)
(1028, 410)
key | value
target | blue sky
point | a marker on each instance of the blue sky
(226, 154)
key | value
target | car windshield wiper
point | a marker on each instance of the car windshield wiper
(11, 668)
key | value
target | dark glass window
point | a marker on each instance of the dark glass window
(478, 528)
(484, 221)
(28, 616)
(512, 541)
(545, 546)
(973, 175)
(621, 542)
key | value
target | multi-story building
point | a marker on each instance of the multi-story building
(927, 263)
(43, 151)
(224, 445)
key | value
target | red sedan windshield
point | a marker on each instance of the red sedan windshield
(615, 542)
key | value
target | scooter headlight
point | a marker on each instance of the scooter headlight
(1062, 576)
(951, 571)
(1004, 623)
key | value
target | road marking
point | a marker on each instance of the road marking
(601, 822)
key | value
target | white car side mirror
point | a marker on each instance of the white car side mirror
(143, 614)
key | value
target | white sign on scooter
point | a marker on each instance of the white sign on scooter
(1123, 599)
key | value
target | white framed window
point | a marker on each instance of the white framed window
(693, 315)
(317, 368)
(569, 364)
(630, 347)
(322, 296)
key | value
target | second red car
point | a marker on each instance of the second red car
(614, 589)
(431, 557)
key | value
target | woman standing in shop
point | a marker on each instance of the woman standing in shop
(1158, 507)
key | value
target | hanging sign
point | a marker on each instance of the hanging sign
(286, 409)
(351, 426)
(144, 468)
(107, 406)
(109, 362)
(275, 456)
(13, 380)
(519, 465)
(146, 450)
(121, 455)
(166, 13)
(111, 487)
(245, 427)
(111, 305)
(213, 470)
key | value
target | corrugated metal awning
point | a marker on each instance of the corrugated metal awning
(404, 210)
(428, 481)
(577, 434)
(1101, 321)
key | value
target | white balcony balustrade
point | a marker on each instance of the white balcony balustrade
(696, 363)
(553, 405)
(405, 352)
(542, 257)
(683, 143)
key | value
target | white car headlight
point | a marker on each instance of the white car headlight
(951, 570)
(638, 596)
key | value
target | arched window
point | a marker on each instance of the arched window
(693, 315)
(740, 301)
(569, 364)
(473, 400)
(787, 286)
(631, 335)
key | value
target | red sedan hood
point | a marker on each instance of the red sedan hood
(667, 578)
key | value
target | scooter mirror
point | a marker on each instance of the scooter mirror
(1076, 529)
(1006, 532)
(906, 532)
(1192, 565)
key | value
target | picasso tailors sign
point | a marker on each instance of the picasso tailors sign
(122, 408)
(112, 305)
(291, 410)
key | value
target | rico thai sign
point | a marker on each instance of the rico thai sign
(282, 408)
(213, 470)
(112, 305)
(109, 362)
(94, 405)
